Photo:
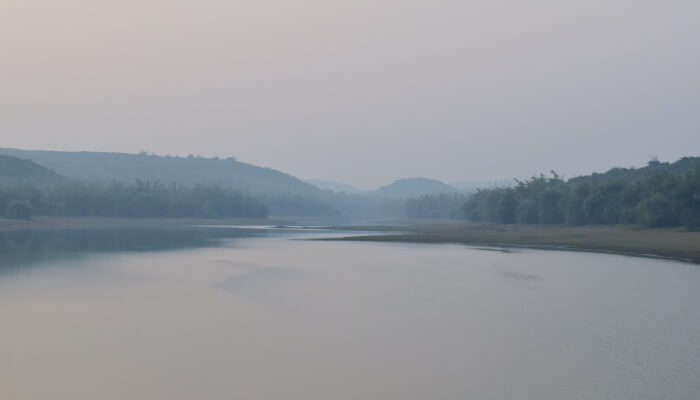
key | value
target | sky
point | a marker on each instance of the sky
(358, 91)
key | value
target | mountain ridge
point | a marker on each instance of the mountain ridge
(15, 170)
(191, 170)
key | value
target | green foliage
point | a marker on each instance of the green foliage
(658, 195)
(656, 211)
(140, 199)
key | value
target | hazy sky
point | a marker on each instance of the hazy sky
(358, 91)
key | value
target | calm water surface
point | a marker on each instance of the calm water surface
(165, 315)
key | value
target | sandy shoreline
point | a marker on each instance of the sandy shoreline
(672, 243)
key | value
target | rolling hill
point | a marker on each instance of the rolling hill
(97, 166)
(14, 170)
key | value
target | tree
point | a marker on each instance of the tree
(575, 213)
(660, 194)
(507, 206)
(656, 211)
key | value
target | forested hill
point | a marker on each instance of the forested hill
(229, 173)
(15, 170)
(660, 194)
(27, 189)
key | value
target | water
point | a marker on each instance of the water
(256, 315)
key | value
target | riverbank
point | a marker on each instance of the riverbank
(671, 243)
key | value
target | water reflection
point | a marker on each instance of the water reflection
(520, 276)
(261, 317)
(22, 248)
(260, 283)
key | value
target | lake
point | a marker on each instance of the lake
(214, 313)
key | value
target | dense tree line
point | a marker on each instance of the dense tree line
(658, 195)
(140, 199)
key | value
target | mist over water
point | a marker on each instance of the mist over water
(260, 316)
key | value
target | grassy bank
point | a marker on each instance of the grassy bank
(667, 243)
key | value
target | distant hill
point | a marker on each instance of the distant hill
(94, 166)
(14, 170)
(414, 187)
(333, 186)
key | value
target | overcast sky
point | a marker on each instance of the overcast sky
(358, 91)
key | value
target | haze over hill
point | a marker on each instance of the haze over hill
(360, 92)
(27, 188)
(413, 187)
(93, 166)
(284, 195)
(14, 170)
(333, 186)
